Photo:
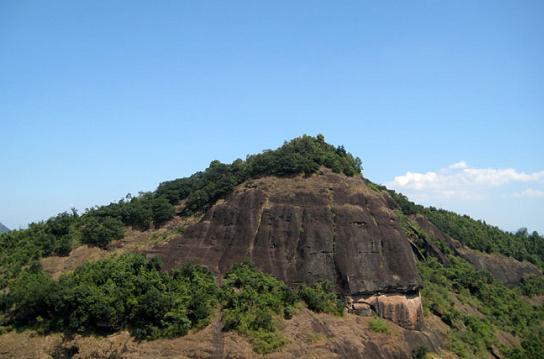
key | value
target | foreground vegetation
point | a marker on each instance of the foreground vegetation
(472, 303)
(449, 291)
(476, 307)
(126, 292)
(130, 292)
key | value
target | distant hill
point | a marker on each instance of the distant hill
(3, 229)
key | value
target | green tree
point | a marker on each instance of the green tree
(100, 231)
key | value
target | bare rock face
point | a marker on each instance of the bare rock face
(303, 230)
(505, 269)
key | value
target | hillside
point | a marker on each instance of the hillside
(3, 229)
(289, 253)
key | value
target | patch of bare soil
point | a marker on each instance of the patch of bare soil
(535, 300)
(28, 345)
(308, 335)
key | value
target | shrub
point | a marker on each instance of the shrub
(322, 298)
(532, 286)
(32, 297)
(501, 307)
(302, 155)
(100, 231)
(288, 312)
(250, 300)
(114, 293)
(531, 348)
(420, 352)
(379, 325)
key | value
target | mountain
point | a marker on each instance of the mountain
(327, 227)
(289, 253)
(3, 229)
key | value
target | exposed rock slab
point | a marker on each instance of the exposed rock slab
(302, 230)
(505, 269)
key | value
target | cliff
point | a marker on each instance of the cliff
(326, 227)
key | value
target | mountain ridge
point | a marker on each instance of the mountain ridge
(3, 228)
(302, 214)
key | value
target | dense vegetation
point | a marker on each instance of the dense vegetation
(97, 226)
(115, 293)
(448, 289)
(472, 303)
(302, 155)
(21, 249)
(251, 299)
(130, 292)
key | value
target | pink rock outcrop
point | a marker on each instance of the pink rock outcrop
(403, 309)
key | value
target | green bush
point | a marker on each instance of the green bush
(532, 286)
(32, 297)
(322, 297)
(379, 325)
(100, 231)
(251, 299)
(531, 348)
(21, 249)
(501, 307)
(115, 293)
(302, 155)
(288, 312)
(140, 212)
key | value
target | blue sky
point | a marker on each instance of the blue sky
(101, 98)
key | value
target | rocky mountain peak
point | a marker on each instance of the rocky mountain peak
(305, 229)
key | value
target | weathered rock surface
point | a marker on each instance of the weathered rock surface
(403, 309)
(302, 230)
(504, 269)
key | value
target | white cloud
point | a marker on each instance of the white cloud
(529, 192)
(460, 181)
(458, 165)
